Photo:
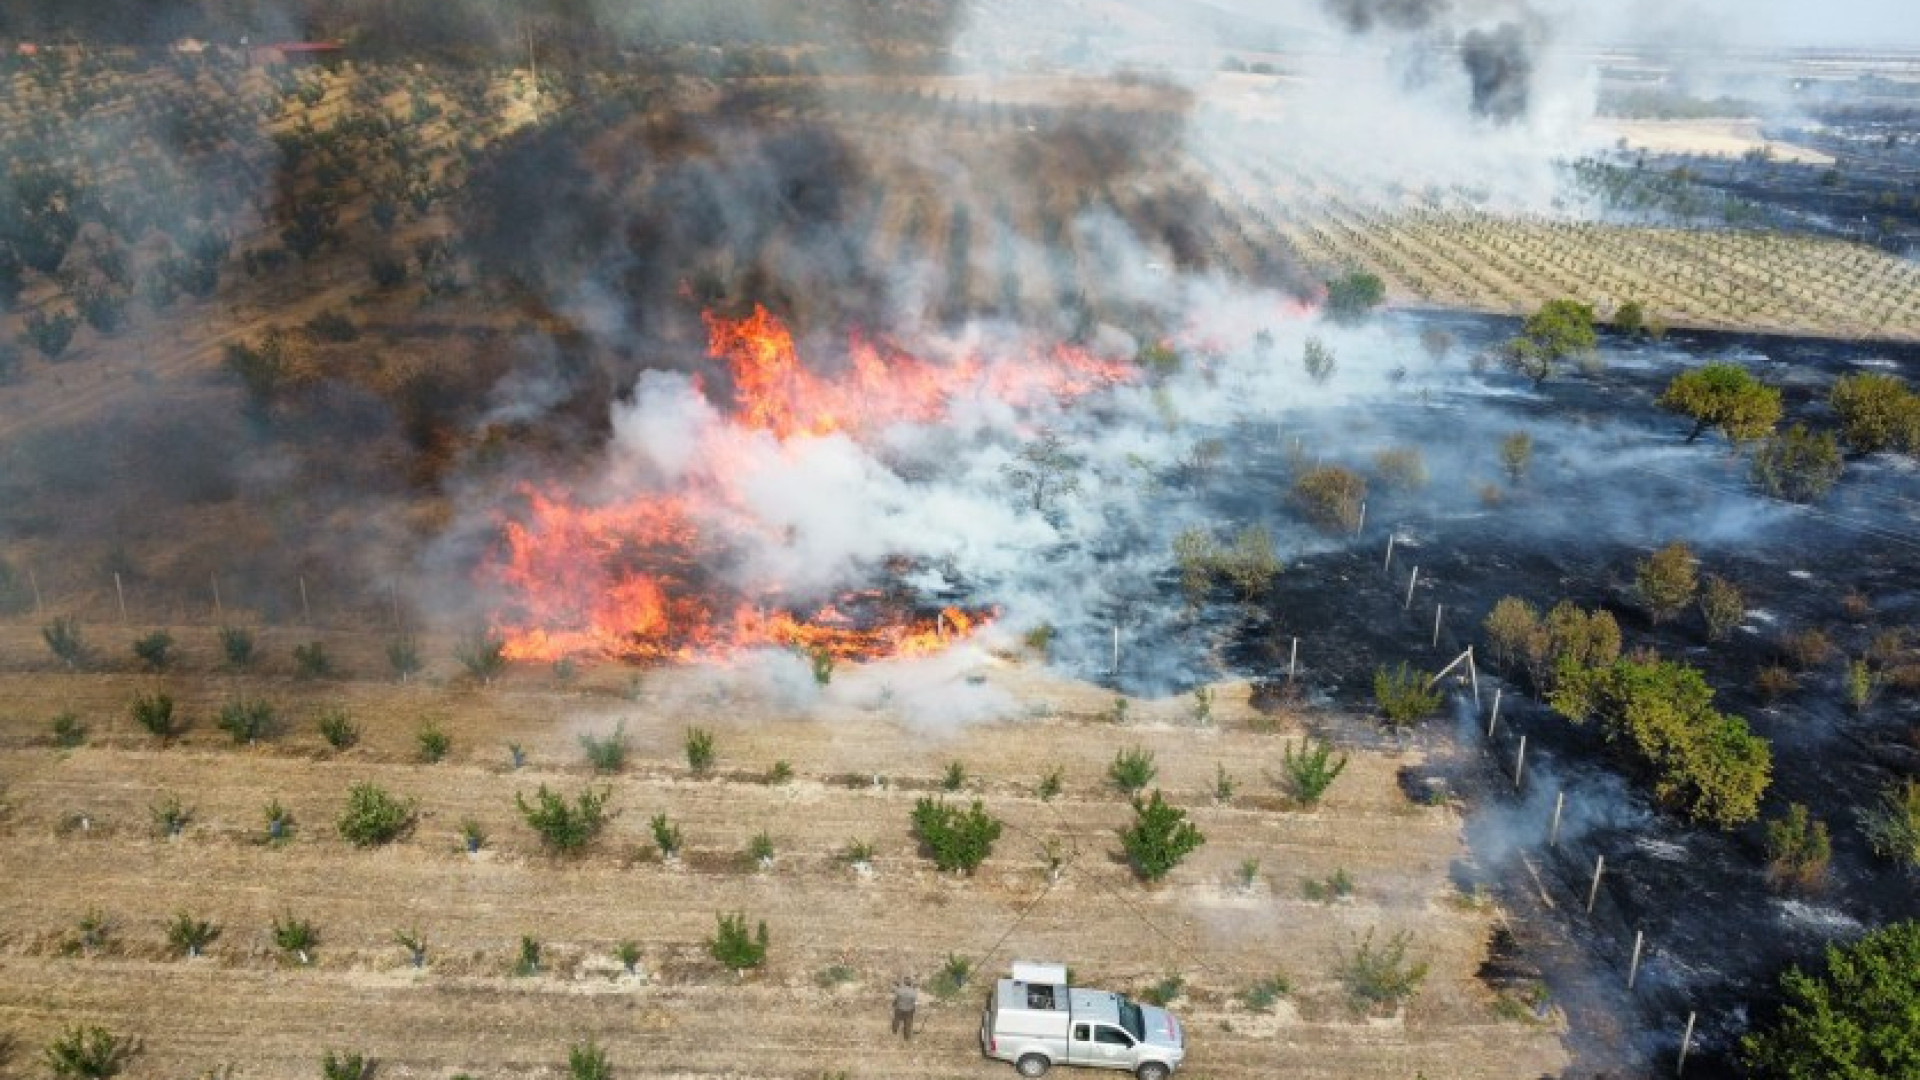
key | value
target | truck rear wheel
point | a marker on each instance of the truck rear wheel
(1033, 1065)
(1152, 1070)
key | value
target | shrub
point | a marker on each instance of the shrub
(565, 828)
(781, 773)
(482, 653)
(1165, 992)
(1132, 769)
(734, 947)
(1401, 468)
(1853, 1020)
(189, 936)
(1774, 682)
(1665, 581)
(1860, 684)
(85, 1053)
(608, 754)
(296, 937)
(1380, 980)
(169, 817)
(432, 742)
(698, 744)
(1248, 563)
(1630, 318)
(954, 778)
(1806, 648)
(1262, 996)
(373, 816)
(1721, 606)
(1330, 496)
(338, 729)
(342, 1066)
(760, 849)
(155, 650)
(587, 1061)
(279, 821)
(1223, 783)
(1050, 784)
(954, 975)
(1248, 873)
(1335, 886)
(1893, 827)
(1403, 695)
(1161, 836)
(68, 731)
(246, 721)
(1704, 764)
(821, 661)
(403, 656)
(857, 853)
(472, 835)
(527, 963)
(154, 713)
(310, 661)
(666, 835)
(1312, 771)
(1514, 632)
(237, 645)
(1798, 849)
(1318, 360)
(1558, 331)
(956, 839)
(1516, 455)
(628, 953)
(1351, 297)
(51, 334)
(1580, 639)
(64, 640)
(1040, 640)
(1798, 465)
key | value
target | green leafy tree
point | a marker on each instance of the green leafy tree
(403, 656)
(483, 653)
(956, 839)
(1132, 769)
(1798, 465)
(1312, 771)
(1516, 456)
(374, 816)
(1665, 581)
(698, 744)
(1856, 1020)
(1893, 827)
(1380, 979)
(236, 644)
(1403, 695)
(1705, 765)
(154, 713)
(64, 640)
(1722, 607)
(586, 1061)
(565, 827)
(432, 743)
(1352, 297)
(338, 729)
(1630, 318)
(1043, 473)
(189, 936)
(734, 947)
(296, 937)
(51, 334)
(1331, 497)
(1877, 412)
(337, 1066)
(1561, 330)
(311, 661)
(246, 721)
(609, 753)
(1160, 837)
(1723, 398)
(1318, 360)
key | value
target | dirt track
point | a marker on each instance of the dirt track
(245, 1006)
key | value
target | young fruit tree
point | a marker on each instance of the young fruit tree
(1665, 581)
(1723, 398)
(956, 839)
(1160, 837)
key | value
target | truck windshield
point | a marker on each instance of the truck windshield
(1133, 1021)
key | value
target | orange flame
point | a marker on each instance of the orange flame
(634, 580)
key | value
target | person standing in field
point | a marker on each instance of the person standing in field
(906, 997)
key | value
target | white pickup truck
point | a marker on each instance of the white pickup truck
(1036, 1021)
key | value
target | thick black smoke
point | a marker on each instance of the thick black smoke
(1499, 67)
(1360, 16)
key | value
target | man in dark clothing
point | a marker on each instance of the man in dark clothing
(905, 999)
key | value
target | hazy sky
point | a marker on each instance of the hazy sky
(1825, 22)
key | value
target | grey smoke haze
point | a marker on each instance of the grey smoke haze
(1500, 68)
(1360, 16)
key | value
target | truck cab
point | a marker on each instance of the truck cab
(1036, 1021)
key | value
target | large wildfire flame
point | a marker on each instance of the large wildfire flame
(635, 579)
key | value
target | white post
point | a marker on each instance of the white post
(1116, 650)
(1599, 868)
(1391, 537)
(1494, 720)
(306, 613)
(34, 581)
(215, 578)
(1293, 659)
(122, 594)
(1633, 967)
(1520, 761)
(1686, 1043)
(1411, 582)
(1553, 831)
(1437, 609)
(1362, 527)
(1473, 677)
(393, 600)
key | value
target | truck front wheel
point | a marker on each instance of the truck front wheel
(1152, 1070)
(1037, 1065)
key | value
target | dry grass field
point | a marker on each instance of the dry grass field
(839, 935)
